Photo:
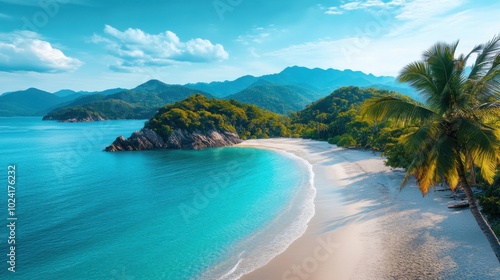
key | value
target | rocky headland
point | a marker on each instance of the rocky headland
(147, 139)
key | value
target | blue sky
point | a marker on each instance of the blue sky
(95, 45)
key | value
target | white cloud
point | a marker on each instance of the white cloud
(364, 5)
(26, 51)
(387, 55)
(357, 5)
(334, 11)
(133, 48)
(420, 13)
(423, 9)
(259, 35)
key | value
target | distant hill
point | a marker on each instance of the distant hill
(222, 89)
(284, 92)
(317, 80)
(35, 102)
(276, 98)
(335, 113)
(141, 102)
(30, 102)
(68, 92)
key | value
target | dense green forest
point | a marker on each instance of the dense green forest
(141, 102)
(280, 99)
(337, 119)
(108, 109)
(199, 113)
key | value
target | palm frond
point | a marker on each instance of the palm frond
(476, 49)
(488, 112)
(387, 107)
(422, 139)
(485, 59)
(483, 143)
(423, 168)
(488, 87)
(421, 144)
(446, 150)
(446, 76)
(419, 76)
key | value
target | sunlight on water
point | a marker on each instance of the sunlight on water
(88, 214)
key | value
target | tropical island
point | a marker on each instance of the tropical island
(452, 137)
(250, 140)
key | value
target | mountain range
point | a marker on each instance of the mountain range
(290, 90)
(317, 80)
(140, 102)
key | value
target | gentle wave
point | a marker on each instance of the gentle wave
(276, 237)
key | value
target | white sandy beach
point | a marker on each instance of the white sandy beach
(365, 228)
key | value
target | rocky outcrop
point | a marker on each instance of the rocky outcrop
(78, 118)
(88, 118)
(147, 139)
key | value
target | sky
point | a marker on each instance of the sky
(100, 44)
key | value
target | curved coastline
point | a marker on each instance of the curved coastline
(267, 243)
(364, 227)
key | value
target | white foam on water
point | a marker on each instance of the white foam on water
(275, 237)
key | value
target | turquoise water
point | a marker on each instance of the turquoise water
(87, 214)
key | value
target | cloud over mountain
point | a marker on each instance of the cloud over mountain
(134, 48)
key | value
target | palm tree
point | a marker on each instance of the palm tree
(456, 126)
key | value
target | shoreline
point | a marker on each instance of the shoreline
(365, 228)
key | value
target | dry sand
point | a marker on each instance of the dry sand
(366, 228)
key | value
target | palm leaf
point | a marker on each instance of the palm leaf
(386, 107)
(487, 88)
(422, 139)
(485, 59)
(446, 149)
(419, 76)
(483, 142)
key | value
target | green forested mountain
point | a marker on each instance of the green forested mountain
(320, 81)
(337, 118)
(141, 102)
(68, 92)
(30, 102)
(282, 92)
(199, 113)
(276, 98)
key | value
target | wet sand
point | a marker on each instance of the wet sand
(364, 227)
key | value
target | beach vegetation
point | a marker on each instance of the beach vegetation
(200, 113)
(455, 129)
(347, 141)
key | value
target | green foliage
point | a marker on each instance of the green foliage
(30, 102)
(280, 99)
(490, 200)
(453, 130)
(199, 113)
(347, 141)
(337, 116)
(139, 103)
(334, 140)
(109, 109)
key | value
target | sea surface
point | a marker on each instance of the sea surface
(87, 214)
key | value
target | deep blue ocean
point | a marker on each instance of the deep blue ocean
(87, 214)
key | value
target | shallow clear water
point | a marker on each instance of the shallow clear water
(87, 214)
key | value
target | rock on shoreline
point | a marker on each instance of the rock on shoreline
(84, 118)
(147, 139)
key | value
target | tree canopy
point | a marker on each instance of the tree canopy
(456, 128)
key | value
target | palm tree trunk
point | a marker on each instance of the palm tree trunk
(476, 213)
(472, 170)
